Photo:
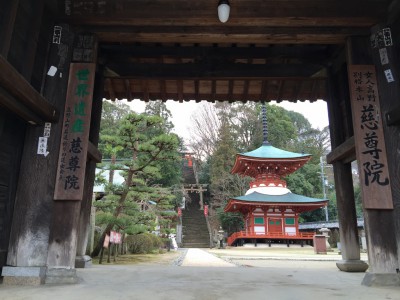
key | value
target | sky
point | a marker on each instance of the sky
(316, 113)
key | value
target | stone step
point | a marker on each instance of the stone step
(196, 245)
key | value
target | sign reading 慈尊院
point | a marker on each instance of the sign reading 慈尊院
(369, 138)
(75, 133)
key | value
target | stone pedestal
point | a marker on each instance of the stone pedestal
(83, 261)
(24, 275)
(319, 244)
(352, 265)
(386, 279)
(61, 276)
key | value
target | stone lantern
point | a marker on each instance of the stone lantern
(325, 232)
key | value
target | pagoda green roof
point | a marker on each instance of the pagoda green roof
(269, 151)
(289, 198)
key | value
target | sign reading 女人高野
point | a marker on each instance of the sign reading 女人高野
(369, 138)
(75, 133)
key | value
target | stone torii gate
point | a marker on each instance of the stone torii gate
(197, 188)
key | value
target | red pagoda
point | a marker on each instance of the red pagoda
(270, 210)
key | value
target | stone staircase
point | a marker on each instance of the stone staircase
(194, 225)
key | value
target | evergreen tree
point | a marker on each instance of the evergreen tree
(127, 206)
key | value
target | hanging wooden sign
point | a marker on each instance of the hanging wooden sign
(369, 138)
(75, 133)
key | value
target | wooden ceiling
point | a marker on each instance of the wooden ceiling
(179, 50)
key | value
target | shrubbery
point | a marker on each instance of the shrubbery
(143, 243)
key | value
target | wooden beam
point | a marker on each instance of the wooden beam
(246, 35)
(203, 12)
(196, 91)
(122, 53)
(128, 88)
(213, 90)
(345, 152)
(23, 92)
(230, 91)
(93, 153)
(163, 91)
(110, 89)
(198, 70)
(393, 117)
(245, 90)
(9, 102)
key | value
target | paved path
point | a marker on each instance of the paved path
(276, 279)
(201, 258)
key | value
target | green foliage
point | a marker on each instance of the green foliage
(159, 108)
(231, 222)
(143, 243)
(137, 204)
(111, 116)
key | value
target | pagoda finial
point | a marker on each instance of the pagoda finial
(264, 123)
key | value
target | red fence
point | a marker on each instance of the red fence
(271, 235)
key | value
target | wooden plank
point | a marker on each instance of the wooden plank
(344, 152)
(369, 138)
(17, 86)
(75, 134)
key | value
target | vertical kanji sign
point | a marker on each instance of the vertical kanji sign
(369, 138)
(75, 133)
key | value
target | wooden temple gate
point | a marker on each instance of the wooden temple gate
(345, 52)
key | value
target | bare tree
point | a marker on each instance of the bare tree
(204, 130)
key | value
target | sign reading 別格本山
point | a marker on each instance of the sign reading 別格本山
(75, 133)
(369, 138)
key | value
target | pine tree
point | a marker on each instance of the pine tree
(127, 206)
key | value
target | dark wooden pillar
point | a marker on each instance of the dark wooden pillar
(8, 14)
(342, 155)
(380, 223)
(385, 256)
(34, 197)
(84, 220)
(66, 213)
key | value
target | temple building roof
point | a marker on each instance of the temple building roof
(269, 151)
(303, 203)
(268, 159)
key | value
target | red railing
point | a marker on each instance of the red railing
(270, 235)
